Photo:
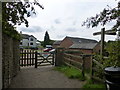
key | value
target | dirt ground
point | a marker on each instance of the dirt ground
(43, 77)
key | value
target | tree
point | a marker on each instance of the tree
(46, 39)
(107, 15)
(14, 13)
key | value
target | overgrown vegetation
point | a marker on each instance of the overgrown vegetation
(71, 72)
(92, 84)
(113, 48)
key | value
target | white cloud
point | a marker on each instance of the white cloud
(59, 16)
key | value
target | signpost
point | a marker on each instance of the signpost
(102, 33)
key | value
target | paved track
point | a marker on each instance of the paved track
(43, 77)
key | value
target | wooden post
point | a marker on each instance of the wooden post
(53, 58)
(102, 42)
(35, 59)
(83, 65)
(59, 56)
(30, 58)
(22, 58)
(92, 70)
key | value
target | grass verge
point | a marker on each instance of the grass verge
(92, 84)
(70, 72)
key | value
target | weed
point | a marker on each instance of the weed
(90, 84)
(71, 72)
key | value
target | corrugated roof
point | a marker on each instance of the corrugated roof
(84, 45)
(77, 40)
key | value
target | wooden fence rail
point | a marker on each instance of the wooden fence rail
(83, 62)
(96, 66)
(76, 61)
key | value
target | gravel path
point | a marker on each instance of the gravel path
(43, 77)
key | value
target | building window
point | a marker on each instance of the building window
(20, 43)
(31, 43)
(31, 39)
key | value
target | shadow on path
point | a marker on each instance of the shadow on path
(43, 77)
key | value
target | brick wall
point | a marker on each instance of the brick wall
(10, 55)
(66, 43)
(85, 51)
(97, 48)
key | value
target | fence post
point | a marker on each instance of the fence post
(59, 57)
(53, 58)
(83, 65)
(92, 71)
(35, 59)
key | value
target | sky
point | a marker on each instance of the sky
(63, 18)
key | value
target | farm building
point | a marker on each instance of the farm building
(85, 45)
(56, 44)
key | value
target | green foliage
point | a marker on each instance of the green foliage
(99, 72)
(107, 15)
(71, 72)
(113, 48)
(51, 42)
(46, 39)
(91, 84)
(13, 13)
(42, 43)
(113, 59)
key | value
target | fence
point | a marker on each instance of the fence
(27, 57)
(33, 58)
(83, 62)
(73, 58)
(97, 71)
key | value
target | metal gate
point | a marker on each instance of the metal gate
(35, 58)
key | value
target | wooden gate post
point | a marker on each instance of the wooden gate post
(35, 59)
(83, 66)
(59, 57)
(53, 58)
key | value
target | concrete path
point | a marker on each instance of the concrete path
(43, 77)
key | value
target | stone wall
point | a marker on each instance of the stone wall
(0, 45)
(10, 62)
(0, 59)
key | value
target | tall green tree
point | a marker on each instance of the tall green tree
(15, 13)
(46, 39)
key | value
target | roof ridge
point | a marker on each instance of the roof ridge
(79, 38)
